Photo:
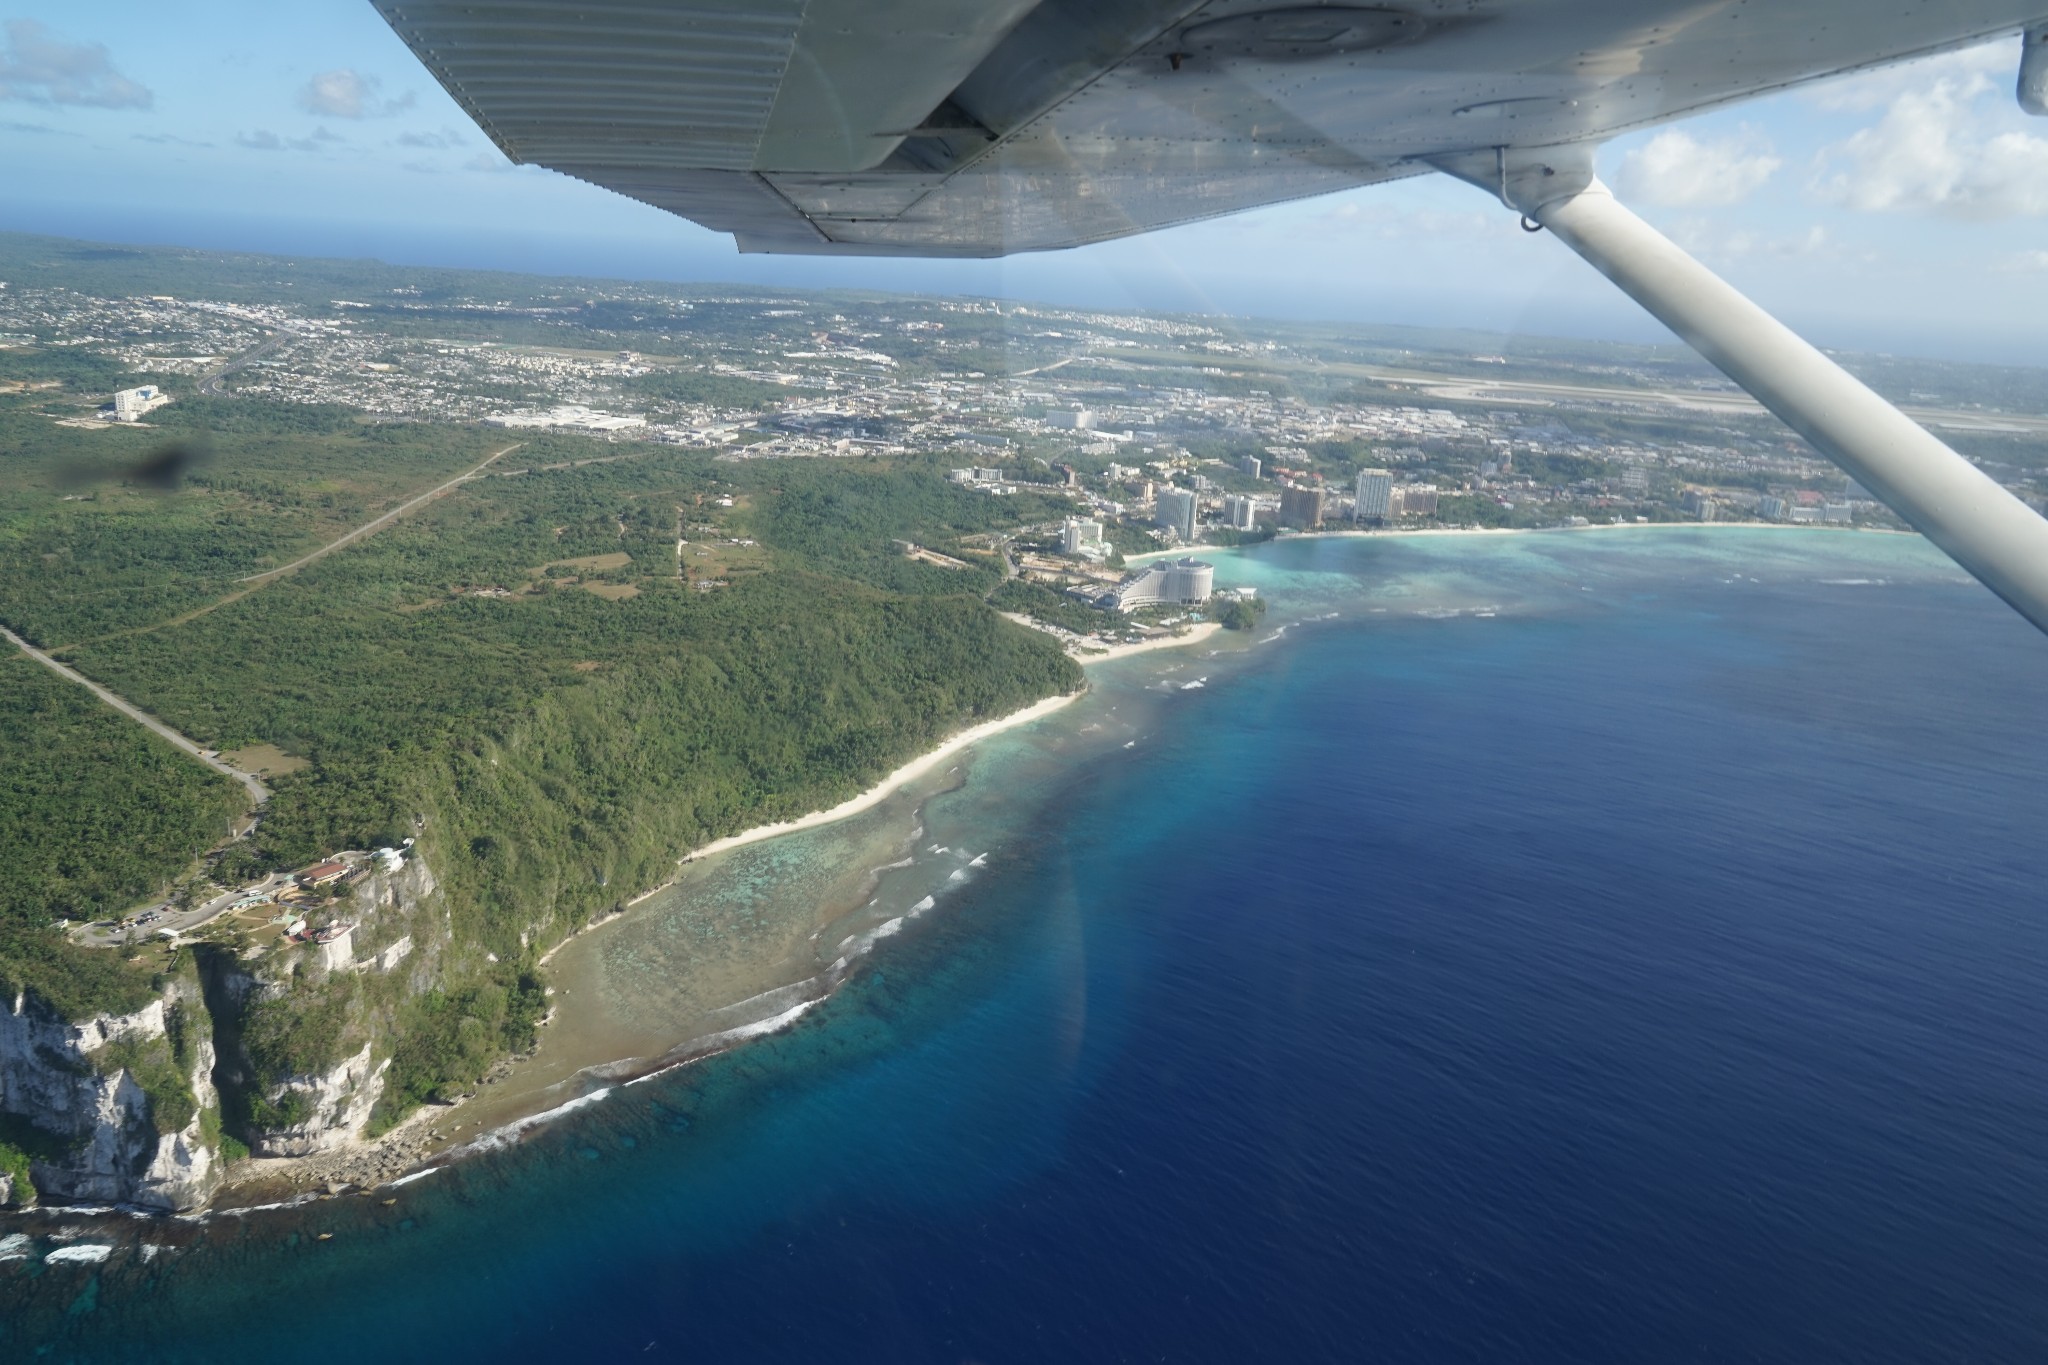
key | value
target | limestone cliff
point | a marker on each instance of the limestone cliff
(122, 1108)
(327, 1109)
(298, 1090)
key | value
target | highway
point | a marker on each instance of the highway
(210, 385)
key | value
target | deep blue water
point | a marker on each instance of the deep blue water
(1664, 981)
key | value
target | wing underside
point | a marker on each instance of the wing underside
(983, 127)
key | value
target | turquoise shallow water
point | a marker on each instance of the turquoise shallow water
(1581, 947)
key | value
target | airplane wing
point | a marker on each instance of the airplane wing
(982, 127)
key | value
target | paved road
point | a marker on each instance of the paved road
(1044, 369)
(380, 523)
(180, 921)
(257, 790)
(210, 385)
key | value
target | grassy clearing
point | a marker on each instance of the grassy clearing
(266, 760)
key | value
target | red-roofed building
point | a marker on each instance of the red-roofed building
(321, 874)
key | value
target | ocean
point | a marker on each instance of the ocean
(1554, 948)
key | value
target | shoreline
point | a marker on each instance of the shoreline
(1833, 529)
(1395, 532)
(433, 1137)
(854, 805)
(399, 1155)
(1193, 635)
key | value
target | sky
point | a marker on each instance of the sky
(1901, 211)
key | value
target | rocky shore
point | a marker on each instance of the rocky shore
(363, 1163)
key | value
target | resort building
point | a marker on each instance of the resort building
(1240, 512)
(1375, 496)
(1415, 500)
(1082, 538)
(1301, 507)
(1174, 508)
(1173, 582)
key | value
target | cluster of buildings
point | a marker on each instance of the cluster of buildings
(1108, 406)
(1379, 500)
(568, 417)
(1184, 509)
(1805, 507)
(986, 480)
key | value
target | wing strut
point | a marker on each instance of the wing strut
(1978, 524)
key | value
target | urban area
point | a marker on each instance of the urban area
(1180, 428)
(1162, 434)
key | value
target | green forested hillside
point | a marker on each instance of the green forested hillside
(529, 674)
(94, 812)
(846, 520)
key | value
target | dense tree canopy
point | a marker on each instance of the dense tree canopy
(558, 678)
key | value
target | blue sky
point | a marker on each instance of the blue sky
(1899, 211)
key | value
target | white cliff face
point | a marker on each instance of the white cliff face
(395, 953)
(185, 1170)
(51, 1075)
(103, 1139)
(337, 1105)
(43, 1059)
(404, 888)
(338, 952)
(334, 1106)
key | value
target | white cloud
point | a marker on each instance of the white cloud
(2025, 263)
(1678, 170)
(343, 93)
(263, 140)
(1978, 68)
(440, 141)
(38, 67)
(1940, 149)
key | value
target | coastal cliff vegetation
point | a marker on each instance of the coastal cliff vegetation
(557, 679)
(96, 813)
